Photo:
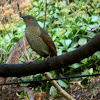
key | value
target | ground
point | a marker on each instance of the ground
(90, 91)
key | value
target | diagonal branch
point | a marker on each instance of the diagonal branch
(9, 70)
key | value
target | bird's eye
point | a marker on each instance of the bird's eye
(29, 18)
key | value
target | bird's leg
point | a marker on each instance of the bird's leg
(47, 58)
(30, 61)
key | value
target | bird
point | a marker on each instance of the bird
(38, 38)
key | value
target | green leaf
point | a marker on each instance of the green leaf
(47, 1)
(7, 38)
(55, 15)
(62, 83)
(74, 44)
(57, 10)
(2, 42)
(84, 61)
(22, 95)
(98, 54)
(88, 71)
(54, 37)
(70, 49)
(94, 18)
(68, 33)
(40, 23)
(76, 65)
(21, 28)
(41, 13)
(74, 30)
(76, 20)
(85, 20)
(90, 35)
(68, 42)
(82, 41)
(3, 50)
(15, 39)
(35, 3)
(91, 71)
(53, 91)
(59, 52)
(62, 41)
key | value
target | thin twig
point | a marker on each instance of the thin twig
(77, 15)
(91, 5)
(45, 5)
(7, 31)
(92, 29)
(19, 10)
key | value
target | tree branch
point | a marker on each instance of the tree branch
(56, 62)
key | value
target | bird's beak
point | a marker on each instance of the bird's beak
(21, 16)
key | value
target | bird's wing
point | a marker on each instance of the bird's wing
(46, 38)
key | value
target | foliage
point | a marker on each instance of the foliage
(64, 27)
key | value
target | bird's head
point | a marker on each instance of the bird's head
(29, 20)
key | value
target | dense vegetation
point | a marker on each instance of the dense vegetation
(69, 29)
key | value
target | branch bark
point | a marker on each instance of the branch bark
(17, 51)
(58, 87)
(57, 62)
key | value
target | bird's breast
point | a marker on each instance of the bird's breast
(36, 42)
(33, 31)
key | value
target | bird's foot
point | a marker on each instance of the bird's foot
(47, 58)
